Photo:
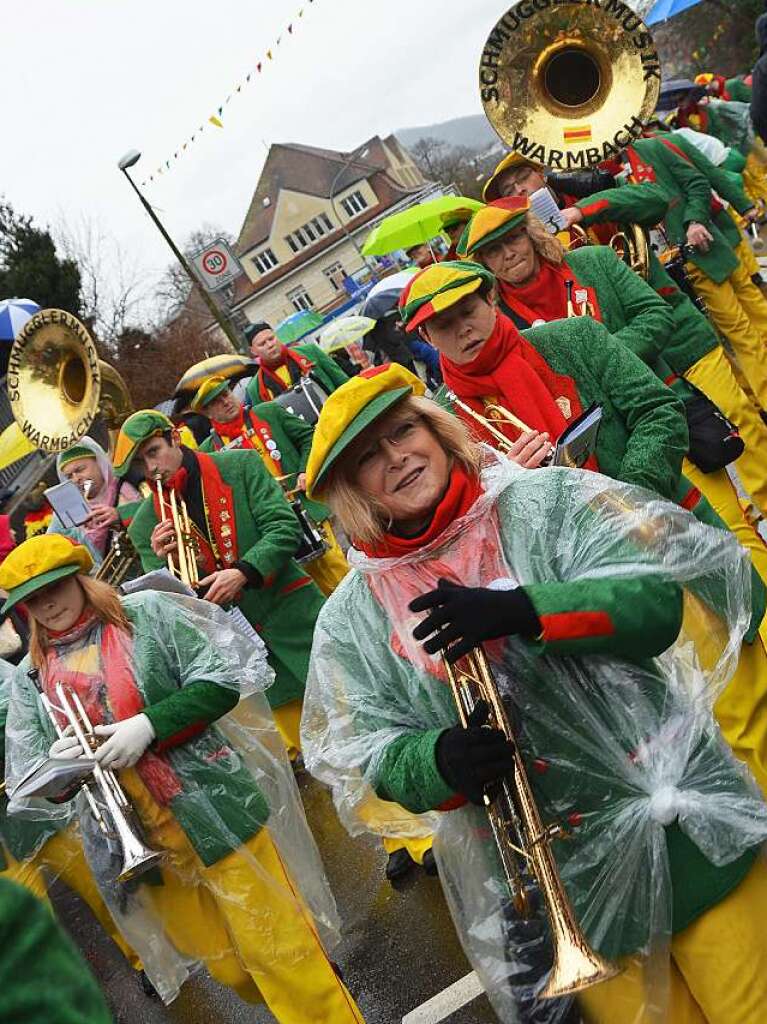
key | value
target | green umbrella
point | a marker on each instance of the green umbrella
(297, 325)
(345, 331)
(417, 224)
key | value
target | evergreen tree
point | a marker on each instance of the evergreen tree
(30, 266)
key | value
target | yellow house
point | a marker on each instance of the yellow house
(310, 213)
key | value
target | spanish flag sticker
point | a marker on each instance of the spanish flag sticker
(578, 133)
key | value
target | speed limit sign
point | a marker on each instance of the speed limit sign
(217, 265)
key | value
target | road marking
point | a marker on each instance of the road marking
(446, 1002)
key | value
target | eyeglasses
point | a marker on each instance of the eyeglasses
(399, 434)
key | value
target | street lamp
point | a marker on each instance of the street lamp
(127, 161)
(357, 154)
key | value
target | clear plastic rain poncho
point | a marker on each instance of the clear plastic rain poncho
(112, 492)
(204, 799)
(630, 747)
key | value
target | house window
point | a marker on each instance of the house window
(335, 273)
(301, 299)
(318, 226)
(265, 261)
(354, 204)
(326, 221)
(292, 242)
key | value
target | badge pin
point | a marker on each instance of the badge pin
(564, 406)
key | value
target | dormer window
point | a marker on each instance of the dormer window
(265, 261)
(354, 204)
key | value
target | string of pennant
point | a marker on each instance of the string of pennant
(216, 118)
(704, 51)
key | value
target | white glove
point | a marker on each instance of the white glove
(127, 741)
(66, 746)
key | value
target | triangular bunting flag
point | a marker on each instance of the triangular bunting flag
(290, 29)
(214, 120)
(258, 66)
(269, 54)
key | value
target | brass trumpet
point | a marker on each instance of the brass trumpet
(523, 842)
(118, 560)
(106, 798)
(495, 414)
(186, 548)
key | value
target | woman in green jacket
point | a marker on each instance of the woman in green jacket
(533, 274)
(579, 590)
(154, 672)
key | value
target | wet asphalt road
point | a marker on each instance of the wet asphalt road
(399, 947)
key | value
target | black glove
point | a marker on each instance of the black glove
(471, 615)
(475, 757)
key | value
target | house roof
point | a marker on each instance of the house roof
(306, 169)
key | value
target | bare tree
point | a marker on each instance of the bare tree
(115, 293)
(452, 165)
(174, 287)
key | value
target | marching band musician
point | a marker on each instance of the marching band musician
(245, 535)
(154, 673)
(36, 853)
(546, 376)
(88, 466)
(735, 305)
(693, 351)
(580, 619)
(534, 276)
(283, 442)
(281, 366)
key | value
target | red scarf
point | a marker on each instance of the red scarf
(509, 369)
(269, 384)
(545, 297)
(223, 433)
(462, 491)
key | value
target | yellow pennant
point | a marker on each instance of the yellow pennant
(216, 121)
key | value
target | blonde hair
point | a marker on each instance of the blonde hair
(365, 519)
(547, 246)
(101, 597)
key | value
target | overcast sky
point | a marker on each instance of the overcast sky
(86, 80)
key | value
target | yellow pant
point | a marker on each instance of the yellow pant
(754, 179)
(288, 721)
(718, 970)
(714, 377)
(62, 857)
(744, 252)
(415, 847)
(741, 709)
(739, 310)
(328, 571)
(720, 492)
(245, 919)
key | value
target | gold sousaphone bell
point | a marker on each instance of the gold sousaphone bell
(57, 385)
(568, 85)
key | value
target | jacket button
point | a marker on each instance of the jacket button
(540, 766)
(575, 819)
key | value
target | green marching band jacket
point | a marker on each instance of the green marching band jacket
(293, 437)
(327, 372)
(643, 436)
(245, 502)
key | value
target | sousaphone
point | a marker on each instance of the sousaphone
(566, 84)
(57, 384)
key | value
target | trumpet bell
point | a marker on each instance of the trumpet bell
(54, 380)
(570, 85)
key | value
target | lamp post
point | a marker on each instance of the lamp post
(127, 161)
(357, 154)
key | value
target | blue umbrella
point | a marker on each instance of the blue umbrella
(14, 313)
(665, 9)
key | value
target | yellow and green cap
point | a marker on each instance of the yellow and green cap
(438, 287)
(350, 410)
(493, 222)
(490, 188)
(210, 388)
(77, 451)
(39, 561)
(138, 428)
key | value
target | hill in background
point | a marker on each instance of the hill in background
(473, 131)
